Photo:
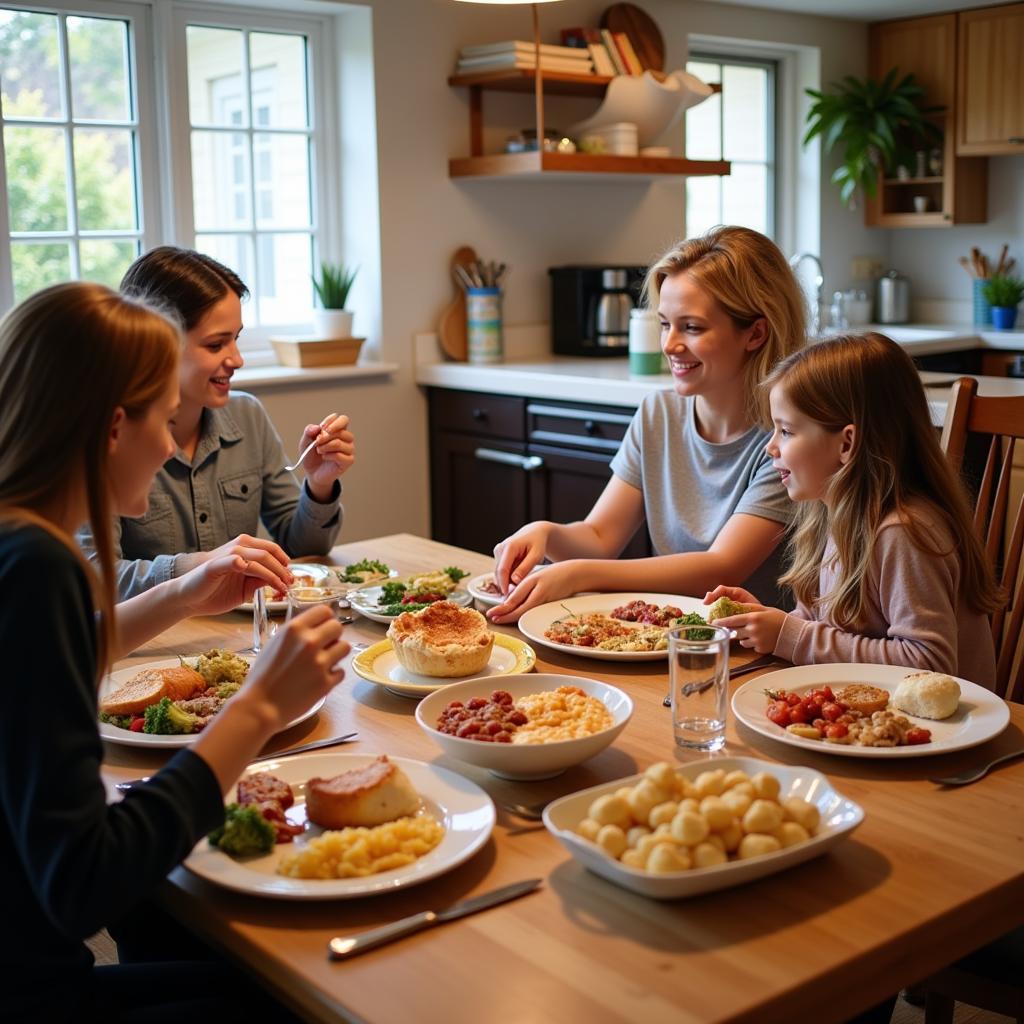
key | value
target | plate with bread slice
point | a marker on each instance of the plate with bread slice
(168, 703)
(350, 825)
(870, 710)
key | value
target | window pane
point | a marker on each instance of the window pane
(215, 76)
(37, 184)
(745, 197)
(36, 266)
(29, 65)
(745, 113)
(220, 181)
(709, 71)
(105, 180)
(234, 251)
(106, 259)
(703, 130)
(282, 180)
(703, 196)
(278, 79)
(285, 294)
(98, 54)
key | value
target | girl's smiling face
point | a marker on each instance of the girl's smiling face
(806, 455)
(210, 355)
(705, 348)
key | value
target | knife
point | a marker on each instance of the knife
(344, 946)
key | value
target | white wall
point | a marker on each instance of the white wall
(425, 216)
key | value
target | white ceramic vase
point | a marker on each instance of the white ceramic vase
(332, 323)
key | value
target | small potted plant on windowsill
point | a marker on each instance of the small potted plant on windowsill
(1003, 294)
(331, 319)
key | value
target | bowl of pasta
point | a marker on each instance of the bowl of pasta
(528, 726)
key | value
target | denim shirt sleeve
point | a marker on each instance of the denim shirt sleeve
(133, 576)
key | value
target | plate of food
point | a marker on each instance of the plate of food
(384, 602)
(870, 710)
(680, 831)
(168, 703)
(339, 826)
(613, 627)
(484, 588)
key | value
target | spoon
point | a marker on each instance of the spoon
(529, 812)
(976, 773)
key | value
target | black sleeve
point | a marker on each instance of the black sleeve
(83, 860)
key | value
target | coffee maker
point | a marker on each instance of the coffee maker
(590, 307)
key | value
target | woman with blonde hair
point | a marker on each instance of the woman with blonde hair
(71, 863)
(692, 462)
(885, 562)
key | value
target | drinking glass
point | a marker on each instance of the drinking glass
(303, 597)
(698, 658)
(259, 619)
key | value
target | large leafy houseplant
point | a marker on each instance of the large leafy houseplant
(876, 123)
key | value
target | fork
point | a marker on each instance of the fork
(309, 447)
(965, 778)
(528, 812)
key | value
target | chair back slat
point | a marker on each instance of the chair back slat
(1000, 423)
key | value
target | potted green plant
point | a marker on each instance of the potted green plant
(1003, 294)
(331, 319)
(875, 123)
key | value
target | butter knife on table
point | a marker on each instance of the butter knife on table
(344, 946)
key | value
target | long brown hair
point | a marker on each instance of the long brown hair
(749, 277)
(896, 463)
(70, 355)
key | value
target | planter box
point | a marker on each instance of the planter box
(304, 352)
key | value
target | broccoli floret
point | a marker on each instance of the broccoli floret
(455, 574)
(391, 593)
(724, 607)
(694, 619)
(245, 832)
(167, 719)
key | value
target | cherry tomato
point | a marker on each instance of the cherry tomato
(137, 725)
(918, 735)
(819, 724)
(831, 711)
(826, 692)
(792, 699)
(799, 714)
(779, 713)
(836, 731)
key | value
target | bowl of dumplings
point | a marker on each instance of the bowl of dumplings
(676, 831)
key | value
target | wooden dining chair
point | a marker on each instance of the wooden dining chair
(982, 434)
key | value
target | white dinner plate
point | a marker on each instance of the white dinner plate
(461, 806)
(839, 817)
(980, 716)
(537, 620)
(144, 739)
(319, 573)
(379, 664)
(476, 584)
(365, 601)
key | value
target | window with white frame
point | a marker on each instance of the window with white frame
(238, 175)
(738, 124)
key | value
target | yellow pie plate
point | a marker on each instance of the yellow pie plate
(379, 664)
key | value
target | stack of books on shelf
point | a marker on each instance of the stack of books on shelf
(519, 54)
(612, 52)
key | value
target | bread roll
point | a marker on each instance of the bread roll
(927, 695)
(371, 795)
(442, 640)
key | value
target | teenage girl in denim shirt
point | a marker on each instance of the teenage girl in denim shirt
(227, 475)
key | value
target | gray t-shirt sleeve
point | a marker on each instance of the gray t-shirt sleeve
(627, 463)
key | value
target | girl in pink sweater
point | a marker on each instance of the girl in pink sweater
(884, 561)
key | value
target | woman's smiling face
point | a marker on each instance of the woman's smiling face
(706, 350)
(211, 355)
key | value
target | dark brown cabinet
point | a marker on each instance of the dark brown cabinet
(497, 462)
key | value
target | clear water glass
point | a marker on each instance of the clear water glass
(302, 598)
(698, 658)
(259, 619)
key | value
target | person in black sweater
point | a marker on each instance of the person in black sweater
(88, 389)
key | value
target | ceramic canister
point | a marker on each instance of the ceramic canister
(483, 325)
(644, 342)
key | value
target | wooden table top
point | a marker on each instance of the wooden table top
(930, 874)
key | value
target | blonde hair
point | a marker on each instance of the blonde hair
(896, 463)
(746, 273)
(70, 355)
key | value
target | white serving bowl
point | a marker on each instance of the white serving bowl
(526, 761)
(839, 817)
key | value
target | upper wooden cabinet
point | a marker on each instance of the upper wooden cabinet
(927, 48)
(990, 81)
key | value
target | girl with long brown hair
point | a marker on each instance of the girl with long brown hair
(692, 463)
(884, 560)
(88, 395)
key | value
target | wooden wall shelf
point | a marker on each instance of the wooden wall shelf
(556, 83)
(568, 166)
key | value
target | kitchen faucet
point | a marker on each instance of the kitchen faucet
(819, 285)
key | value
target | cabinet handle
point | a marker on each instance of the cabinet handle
(1016, 139)
(590, 426)
(528, 463)
(479, 414)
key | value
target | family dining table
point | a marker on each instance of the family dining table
(932, 873)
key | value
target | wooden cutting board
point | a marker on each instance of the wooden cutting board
(642, 30)
(451, 331)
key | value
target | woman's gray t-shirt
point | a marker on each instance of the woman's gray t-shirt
(692, 487)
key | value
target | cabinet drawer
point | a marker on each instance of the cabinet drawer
(470, 412)
(599, 428)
